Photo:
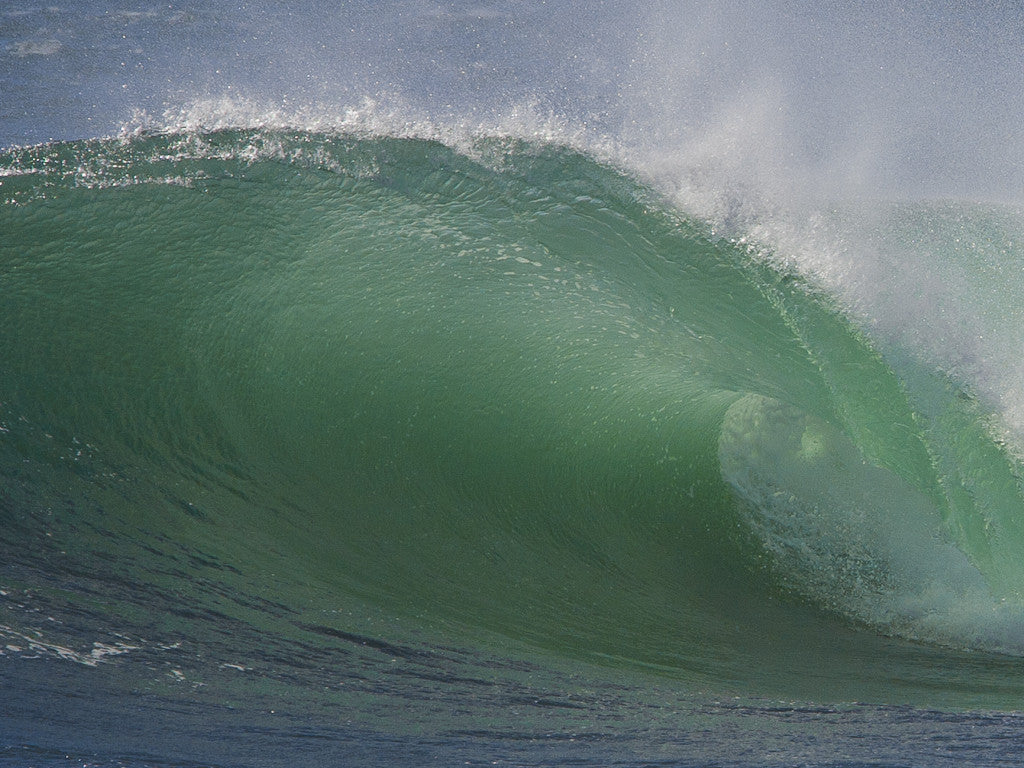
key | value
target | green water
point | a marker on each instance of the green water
(504, 393)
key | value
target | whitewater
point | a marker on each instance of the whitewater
(468, 384)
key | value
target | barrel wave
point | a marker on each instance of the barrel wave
(263, 391)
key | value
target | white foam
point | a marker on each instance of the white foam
(34, 643)
(383, 115)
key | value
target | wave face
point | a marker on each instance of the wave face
(283, 412)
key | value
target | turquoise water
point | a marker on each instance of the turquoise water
(479, 442)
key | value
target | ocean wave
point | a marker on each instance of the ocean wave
(493, 383)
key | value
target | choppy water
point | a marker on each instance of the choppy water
(338, 436)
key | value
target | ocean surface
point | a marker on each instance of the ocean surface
(523, 384)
